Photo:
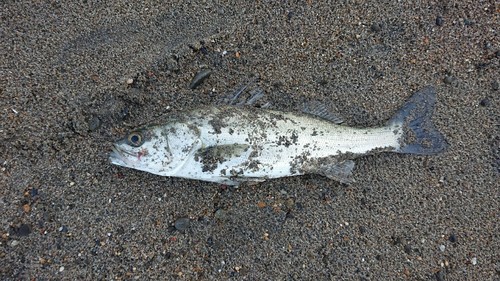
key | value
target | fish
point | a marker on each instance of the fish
(235, 144)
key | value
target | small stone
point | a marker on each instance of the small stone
(182, 224)
(494, 85)
(362, 229)
(130, 81)
(26, 208)
(407, 249)
(448, 79)
(171, 229)
(23, 230)
(452, 238)
(485, 102)
(210, 241)
(473, 261)
(43, 261)
(439, 21)
(442, 248)
(265, 236)
(376, 27)
(61, 269)
(199, 78)
(171, 65)
(63, 229)
(220, 214)
(94, 123)
(33, 192)
(14, 243)
(406, 272)
(441, 275)
(195, 46)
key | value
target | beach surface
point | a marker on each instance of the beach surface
(75, 77)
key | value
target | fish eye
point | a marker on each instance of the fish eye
(135, 139)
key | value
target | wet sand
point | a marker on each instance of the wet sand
(76, 77)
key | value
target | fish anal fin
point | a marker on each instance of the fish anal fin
(340, 171)
(322, 111)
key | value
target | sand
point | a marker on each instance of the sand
(77, 76)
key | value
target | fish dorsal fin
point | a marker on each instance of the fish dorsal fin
(320, 110)
(241, 97)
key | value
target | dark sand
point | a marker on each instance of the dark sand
(67, 214)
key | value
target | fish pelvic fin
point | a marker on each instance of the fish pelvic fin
(341, 171)
(418, 135)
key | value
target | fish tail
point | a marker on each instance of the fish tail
(418, 133)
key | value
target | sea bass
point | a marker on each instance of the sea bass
(230, 144)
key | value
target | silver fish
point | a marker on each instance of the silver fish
(230, 145)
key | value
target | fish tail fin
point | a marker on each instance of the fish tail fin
(418, 133)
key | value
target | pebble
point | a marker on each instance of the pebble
(26, 208)
(468, 22)
(220, 214)
(362, 229)
(199, 78)
(14, 243)
(376, 27)
(439, 21)
(171, 65)
(485, 102)
(494, 85)
(182, 224)
(61, 269)
(452, 238)
(23, 230)
(407, 249)
(473, 261)
(33, 192)
(448, 79)
(441, 275)
(210, 241)
(442, 248)
(63, 229)
(94, 123)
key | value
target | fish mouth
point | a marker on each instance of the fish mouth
(117, 156)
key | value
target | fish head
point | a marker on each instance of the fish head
(161, 150)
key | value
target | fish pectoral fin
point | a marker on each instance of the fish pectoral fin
(223, 152)
(341, 171)
(320, 110)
